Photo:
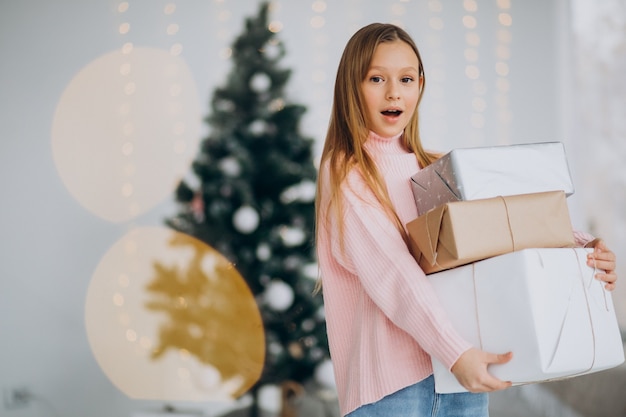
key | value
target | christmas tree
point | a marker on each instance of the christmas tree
(255, 201)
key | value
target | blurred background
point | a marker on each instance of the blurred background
(107, 109)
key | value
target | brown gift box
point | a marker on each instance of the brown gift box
(461, 232)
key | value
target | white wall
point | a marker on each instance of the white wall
(596, 126)
(51, 242)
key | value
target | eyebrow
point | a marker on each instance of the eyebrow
(401, 69)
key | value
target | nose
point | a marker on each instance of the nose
(393, 91)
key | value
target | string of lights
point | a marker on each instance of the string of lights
(503, 85)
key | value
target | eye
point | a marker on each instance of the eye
(406, 80)
(376, 79)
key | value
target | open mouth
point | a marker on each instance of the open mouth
(393, 113)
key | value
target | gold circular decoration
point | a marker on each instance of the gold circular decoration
(125, 131)
(169, 318)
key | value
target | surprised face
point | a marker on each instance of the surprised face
(391, 88)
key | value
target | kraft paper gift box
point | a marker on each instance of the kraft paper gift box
(473, 173)
(544, 305)
(461, 232)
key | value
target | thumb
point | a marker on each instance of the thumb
(500, 358)
(601, 246)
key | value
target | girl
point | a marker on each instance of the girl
(383, 318)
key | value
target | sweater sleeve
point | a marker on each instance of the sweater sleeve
(582, 238)
(374, 251)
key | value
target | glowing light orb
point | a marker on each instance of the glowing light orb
(125, 131)
(169, 318)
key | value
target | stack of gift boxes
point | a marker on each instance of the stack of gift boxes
(494, 235)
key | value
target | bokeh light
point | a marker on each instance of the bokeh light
(169, 318)
(137, 108)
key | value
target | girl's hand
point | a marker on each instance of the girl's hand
(471, 370)
(603, 258)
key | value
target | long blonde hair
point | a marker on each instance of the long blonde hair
(347, 130)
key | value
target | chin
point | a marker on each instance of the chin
(388, 133)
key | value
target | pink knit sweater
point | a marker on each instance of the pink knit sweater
(383, 318)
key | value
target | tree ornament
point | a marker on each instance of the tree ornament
(308, 325)
(230, 166)
(197, 207)
(263, 252)
(246, 219)
(224, 105)
(292, 262)
(272, 50)
(292, 236)
(260, 82)
(275, 348)
(316, 353)
(279, 296)
(277, 104)
(320, 313)
(311, 270)
(270, 398)
(226, 190)
(324, 374)
(307, 191)
(295, 349)
(257, 127)
(304, 192)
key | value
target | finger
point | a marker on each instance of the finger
(608, 266)
(602, 256)
(609, 279)
(498, 385)
(601, 260)
(491, 383)
(606, 255)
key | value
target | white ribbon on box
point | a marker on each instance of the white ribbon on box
(544, 305)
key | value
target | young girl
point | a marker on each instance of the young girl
(383, 319)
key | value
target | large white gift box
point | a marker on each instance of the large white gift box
(544, 305)
(484, 172)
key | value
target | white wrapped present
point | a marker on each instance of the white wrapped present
(544, 305)
(485, 172)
